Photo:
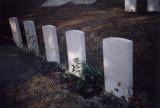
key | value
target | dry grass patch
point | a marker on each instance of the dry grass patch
(41, 92)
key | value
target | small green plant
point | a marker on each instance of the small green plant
(76, 67)
(90, 80)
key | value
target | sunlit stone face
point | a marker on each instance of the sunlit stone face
(51, 43)
(130, 5)
(31, 36)
(76, 48)
(117, 53)
(14, 24)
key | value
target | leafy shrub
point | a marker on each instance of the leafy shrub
(90, 81)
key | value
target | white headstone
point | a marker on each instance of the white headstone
(76, 48)
(31, 36)
(130, 5)
(118, 72)
(51, 43)
(16, 31)
(154, 5)
(53, 3)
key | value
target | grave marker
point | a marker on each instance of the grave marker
(55, 3)
(154, 5)
(51, 43)
(14, 24)
(76, 49)
(118, 72)
(130, 5)
(31, 36)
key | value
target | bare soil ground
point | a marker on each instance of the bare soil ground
(98, 21)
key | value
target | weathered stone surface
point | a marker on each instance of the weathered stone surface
(14, 24)
(31, 36)
(153, 5)
(83, 1)
(54, 3)
(76, 49)
(118, 72)
(51, 43)
(130, 5)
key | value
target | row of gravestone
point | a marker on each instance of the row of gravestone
(152, 5)
(117, 54)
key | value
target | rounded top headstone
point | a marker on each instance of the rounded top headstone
(117, 39)
(73, 31)
(50, 26)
